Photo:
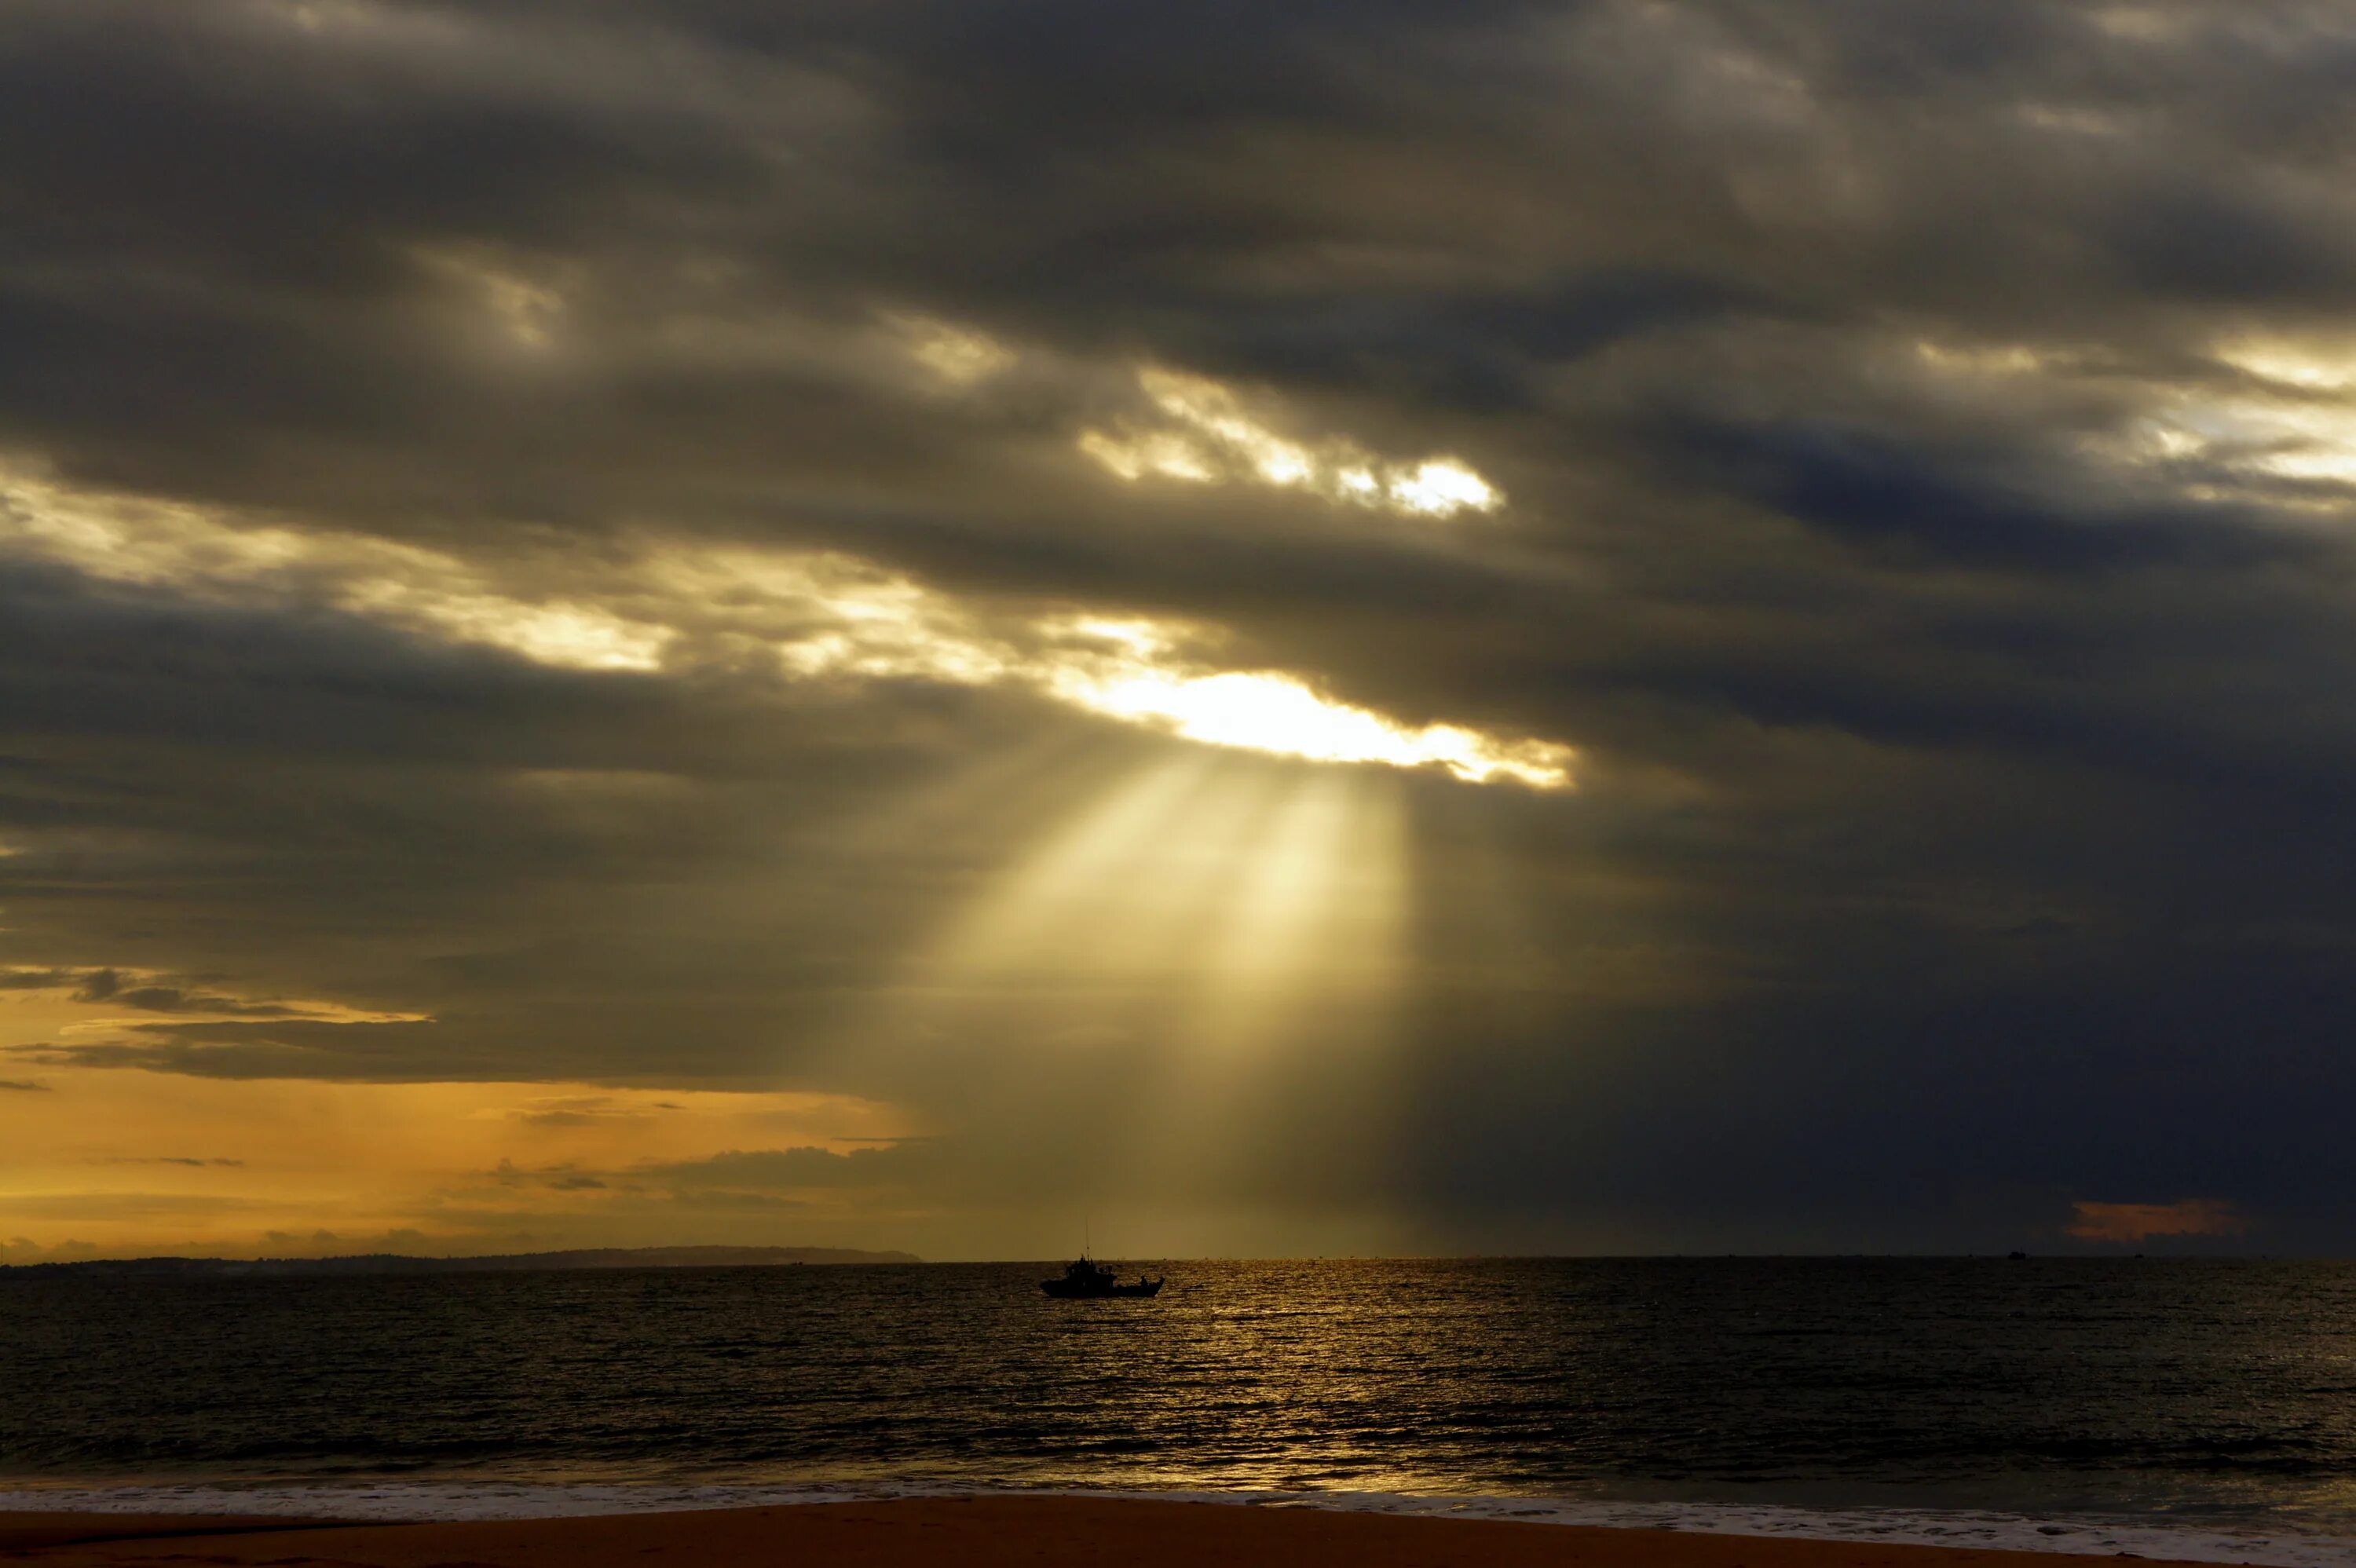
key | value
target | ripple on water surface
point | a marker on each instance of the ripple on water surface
(2208, 1394)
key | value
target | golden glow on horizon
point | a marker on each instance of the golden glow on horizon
(2123, 1224)
(821, 616)
(1206, 437)
(119, 1162)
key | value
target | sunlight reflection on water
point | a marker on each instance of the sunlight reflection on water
(2197, 1391)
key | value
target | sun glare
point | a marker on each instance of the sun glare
(1279, 715)
(1442, 487)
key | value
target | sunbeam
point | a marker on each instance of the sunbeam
(1197, 931)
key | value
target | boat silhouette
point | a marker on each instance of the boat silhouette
(1085, 1279)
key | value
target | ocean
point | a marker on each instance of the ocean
(2168, 1407)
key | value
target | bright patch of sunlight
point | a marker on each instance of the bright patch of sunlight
(200, 551)
(1443, 486)
(817, 616)
(2317, 444)
(1980, 358)
(567, 636)
(1244, 888)
(956, 354)
(2309, 367)
(1278, 714)
(830, 616)
(2284, 438)
(1202, 920)
(1202, 433)
(2292, 417)
(1167, 455)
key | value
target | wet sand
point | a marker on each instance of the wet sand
(983, 1533)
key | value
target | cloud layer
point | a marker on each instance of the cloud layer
(1692, 625)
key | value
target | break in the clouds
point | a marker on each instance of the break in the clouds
(1597, 625)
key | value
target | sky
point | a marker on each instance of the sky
(1608, 626)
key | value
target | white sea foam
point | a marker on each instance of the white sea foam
(2272, 1546)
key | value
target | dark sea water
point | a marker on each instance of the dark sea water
(2192, 1391)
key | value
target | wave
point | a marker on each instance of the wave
(2272, 1546)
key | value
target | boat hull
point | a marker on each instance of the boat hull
(1064, 1290)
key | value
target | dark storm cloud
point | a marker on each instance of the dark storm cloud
(1957, 648)
(1927, 507)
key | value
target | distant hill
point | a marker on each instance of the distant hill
(506, 1262)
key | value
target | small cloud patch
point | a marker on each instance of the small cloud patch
(554, 1178)
(2095, 1222)
(576, 1111)
(1200, 432)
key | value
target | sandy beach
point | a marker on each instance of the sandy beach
(1035, 1532)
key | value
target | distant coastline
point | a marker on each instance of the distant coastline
(503, 1263)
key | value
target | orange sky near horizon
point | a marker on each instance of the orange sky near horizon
(106, 1161)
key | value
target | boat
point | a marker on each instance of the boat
(1085, 1279)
